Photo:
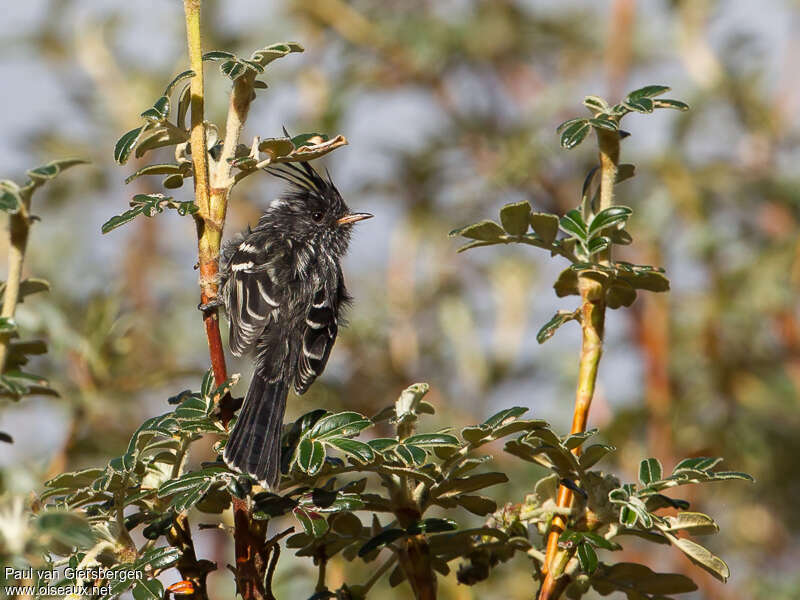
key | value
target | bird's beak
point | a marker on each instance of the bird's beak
(353, 217)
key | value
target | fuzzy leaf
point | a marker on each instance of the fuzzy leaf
(549, 328)
(573, 224)
(574, 133)
(516, 217)
(702, 557)
(486, 230)
(649, 471)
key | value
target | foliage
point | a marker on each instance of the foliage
(15, 200)
(313, 494)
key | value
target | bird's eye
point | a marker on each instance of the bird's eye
(317, 216)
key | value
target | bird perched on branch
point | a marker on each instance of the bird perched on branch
(283, 291)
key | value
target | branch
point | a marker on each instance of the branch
(19, 226)
(593, 311)
(249, 544)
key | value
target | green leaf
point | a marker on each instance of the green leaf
(74, 480)
(603, 122)
(126, 144)
(667, 103)
(598, 541)
(159, 111)
(433, 440)
(15, 384)
(314, 524)
(486, 230)
(549, 328)
(159, 169)
(432, 526)
(382, 444)
(188, 489)
(588, 558)
(54, 168)
(173, 182)
(150, 589)
(382, 539)
(10, 201)
(648, 91)
(613, 216)
(472, 483)
(641, 105)
(633, 578)
(306, 139)
(700, 463)
(233, 69)
(567, 283)
(477, 505)
(574, 134)
(474, 434)
(267, 505)
(476, 244)
(7, 325)
(692, 522)
(722, 475)
(569, 123)
(276, 147)
(575, 440)
(339, 424)
(266, 55)
(596, 104)
(148, 205)
(218, 55)
(649, 471)
(67, 528)
(594, 454)
(159, 558)
(546, 226)
(354, 448)
(305, 454)
(178, 78)
(702, 557)
(410, 455)
(656, 501)
(637, 507)
(652, 281)
(184, 99)
(505, 416)
(625, 171)
(598, 244)
(516, 217)
(159, 136)
(573, 224)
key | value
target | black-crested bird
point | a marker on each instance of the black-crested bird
(283, 291)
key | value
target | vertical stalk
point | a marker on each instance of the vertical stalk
(249, 540)
(19, 225)
(593, 311)
(209, 235)
(414, 556)
(208, 221)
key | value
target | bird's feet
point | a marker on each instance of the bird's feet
(215, 303)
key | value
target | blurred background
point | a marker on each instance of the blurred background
(450, 108)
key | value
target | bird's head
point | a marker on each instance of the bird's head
(312, 210)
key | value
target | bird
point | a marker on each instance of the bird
(283, 290)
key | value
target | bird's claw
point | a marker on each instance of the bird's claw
(215, 303)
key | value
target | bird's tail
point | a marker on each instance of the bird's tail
(254, 446)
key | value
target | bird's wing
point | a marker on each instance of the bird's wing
(322, 325)
(252, 290)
